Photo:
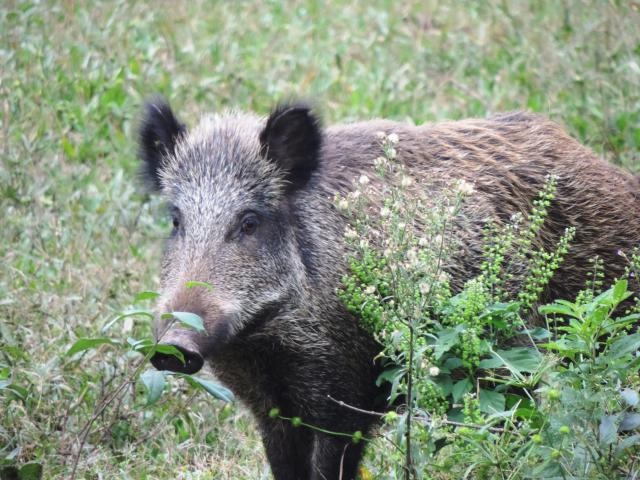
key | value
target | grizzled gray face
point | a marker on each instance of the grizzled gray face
(230, 184)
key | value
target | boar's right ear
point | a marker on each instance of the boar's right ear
(291, 139)
(159, 131)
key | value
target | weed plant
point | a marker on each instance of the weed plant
(481, 393)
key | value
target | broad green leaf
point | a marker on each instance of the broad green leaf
(30, 471)
(605, 298)
(628, 442)
(452, 363)
(153, 381)
(446, 339)
(460, 388)
(620, 291)
(190, 319)
(491, 401)
(493, 362)
(557, 309)
(444, 383)
(147, 295)
(607, 429)
(631, 397)
(630, 421)
(625, 345)
(539, 333)
(87, 343)
(212, 388)
(520, 359)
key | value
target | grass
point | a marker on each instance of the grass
(80, 237)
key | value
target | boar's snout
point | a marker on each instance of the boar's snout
(183, 341)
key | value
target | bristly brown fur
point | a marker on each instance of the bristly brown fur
(277, 333)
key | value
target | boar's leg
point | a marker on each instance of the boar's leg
(288, 449)
(335, 458)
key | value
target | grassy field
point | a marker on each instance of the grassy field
(80, 238)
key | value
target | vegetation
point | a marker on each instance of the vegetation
(81, 239)
(476, 391)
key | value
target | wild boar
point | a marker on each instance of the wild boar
(252, 202)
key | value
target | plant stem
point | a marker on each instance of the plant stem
(408, 462)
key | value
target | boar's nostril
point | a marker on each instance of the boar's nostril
(193, 361)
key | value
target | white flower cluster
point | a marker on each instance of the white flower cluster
(464, 188)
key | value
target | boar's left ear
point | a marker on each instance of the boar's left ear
(159, 132)
(292, 139)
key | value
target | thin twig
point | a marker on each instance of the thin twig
(421, 419)
(84, 432)
(356, 409)
(408, 462)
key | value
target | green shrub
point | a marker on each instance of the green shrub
(474, 399)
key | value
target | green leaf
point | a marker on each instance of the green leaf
(557, 309)
(630, 421)
(169, 350)
(625, 345)
(190, 319)
(631, 397)
(14, 388)
(154, 382)
(212, 388)
(538, 333)
(86, 343)
(128, 313)
(519, 359)
(620, 291)
(628, 442)
(393, 376)
(460, 388)
(193, 283)
(30, 471)
(452, 363)
(146, 346)
(147, 295)
(446, 339)
(491, 401)
(607, 429)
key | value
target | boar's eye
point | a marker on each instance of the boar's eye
(175, 219)
(249, 223)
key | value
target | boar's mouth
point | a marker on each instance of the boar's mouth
(183, 340)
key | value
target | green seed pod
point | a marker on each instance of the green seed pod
(274, 413)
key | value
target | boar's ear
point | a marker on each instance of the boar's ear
(291, 139)
(159, 131)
